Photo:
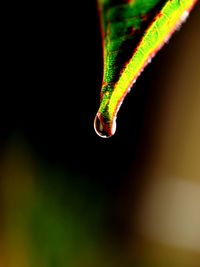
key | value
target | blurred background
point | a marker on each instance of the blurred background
(69, 198)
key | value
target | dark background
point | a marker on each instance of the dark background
(52, 79)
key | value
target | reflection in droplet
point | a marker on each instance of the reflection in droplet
(99, 129)
(102, 129)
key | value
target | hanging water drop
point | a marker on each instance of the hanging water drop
(102, 129)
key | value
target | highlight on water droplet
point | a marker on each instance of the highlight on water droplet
(103, 129)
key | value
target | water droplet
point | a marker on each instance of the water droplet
(102, 129)
(99, 129)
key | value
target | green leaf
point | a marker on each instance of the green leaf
(132, 33)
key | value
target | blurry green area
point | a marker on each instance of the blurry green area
(47, 220)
